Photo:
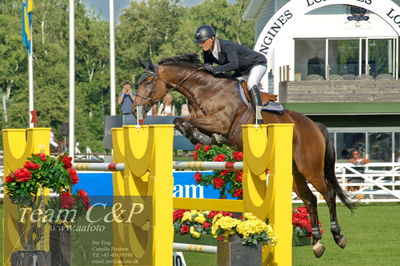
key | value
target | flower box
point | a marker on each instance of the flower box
(233, 253)
(60, 245)
(31, 257)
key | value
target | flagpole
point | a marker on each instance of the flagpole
(31, 89)
(72, 78)
(112, 58)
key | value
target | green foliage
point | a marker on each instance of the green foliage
(147, 29)
(227, 182)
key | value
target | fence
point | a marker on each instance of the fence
(372, 182)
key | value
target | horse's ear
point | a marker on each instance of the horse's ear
(150, 64)
(142, 64)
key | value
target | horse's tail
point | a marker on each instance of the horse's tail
(329, 171)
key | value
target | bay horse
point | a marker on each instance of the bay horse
(217, 108)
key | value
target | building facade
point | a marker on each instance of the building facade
(336, 61)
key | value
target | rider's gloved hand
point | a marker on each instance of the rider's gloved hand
(209, 68)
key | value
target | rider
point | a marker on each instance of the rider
(231, 56)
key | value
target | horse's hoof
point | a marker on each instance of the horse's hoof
(318, 249)
(342, 242)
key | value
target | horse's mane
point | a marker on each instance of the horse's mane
(186, 60)
(189, 60)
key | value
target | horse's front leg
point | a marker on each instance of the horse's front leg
(183, 125)
(217, 125)
(178, 122)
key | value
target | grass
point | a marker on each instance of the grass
(373, 239)
(372, 231)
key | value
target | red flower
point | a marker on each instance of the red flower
(85, 198)
(224, 172)
(218, 182)
(31, 165)
(22, 174)
(220, 157)
(206, 148)
(42, 156)
(184, 229)
(238, 193)
(206, 225)
(73, 175)
(67, 161)
(194, 155)
(9, 178)
(239, 176)
(221, 238)
(230, 214)
(178, 214)
(212, 214)
(197, 147)
(237, 155)
(67, 200)
(197, 177)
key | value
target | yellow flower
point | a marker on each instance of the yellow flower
(216, 217)
(187, 216)
(194, 233)
(249, 216)
(200, 218)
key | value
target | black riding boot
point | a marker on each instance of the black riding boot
(256, 100)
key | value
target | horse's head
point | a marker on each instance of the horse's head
(151, 88)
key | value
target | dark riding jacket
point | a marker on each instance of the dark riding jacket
(234, 57)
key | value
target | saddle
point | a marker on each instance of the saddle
(268, 100)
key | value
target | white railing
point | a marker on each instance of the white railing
(372, 182)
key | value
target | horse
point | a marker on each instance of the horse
(217, 109)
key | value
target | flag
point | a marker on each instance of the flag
(27, 6)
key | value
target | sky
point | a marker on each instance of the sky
(101, 6)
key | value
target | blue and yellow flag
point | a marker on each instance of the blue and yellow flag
(27, 6)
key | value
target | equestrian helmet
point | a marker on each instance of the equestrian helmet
(203, 33)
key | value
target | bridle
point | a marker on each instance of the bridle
(169, 84)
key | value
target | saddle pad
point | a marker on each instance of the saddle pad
(274, 107)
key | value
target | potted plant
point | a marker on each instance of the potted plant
(25, 187)
(301, 226)
(228, 182)
(241, 240)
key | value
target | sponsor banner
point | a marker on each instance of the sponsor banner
(287, 15)
(99, 184)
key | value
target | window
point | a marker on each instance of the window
(380, 147)
(376, 144)
(346, 143)
(355, 58)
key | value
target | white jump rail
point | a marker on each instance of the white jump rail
(177, 165)
(195, 248)
(99, 166)
(195, 165)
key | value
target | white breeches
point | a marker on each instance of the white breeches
(255, 75)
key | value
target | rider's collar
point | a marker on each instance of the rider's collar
(217, 49)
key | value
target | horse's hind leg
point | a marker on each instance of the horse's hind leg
(310, 201)
(330, 198)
